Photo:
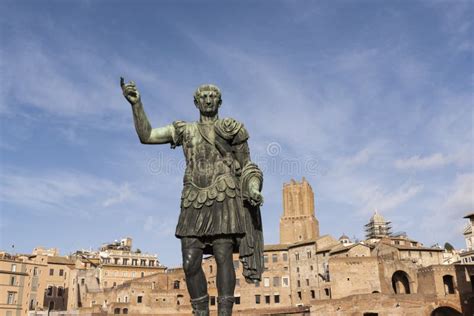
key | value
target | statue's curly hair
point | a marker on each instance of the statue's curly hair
(207, 87)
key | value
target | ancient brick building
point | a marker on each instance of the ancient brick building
(304, 274)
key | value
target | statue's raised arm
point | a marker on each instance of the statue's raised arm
(146, 134)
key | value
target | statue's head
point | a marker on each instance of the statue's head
(207, 99)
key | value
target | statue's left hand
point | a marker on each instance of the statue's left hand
(256, 197)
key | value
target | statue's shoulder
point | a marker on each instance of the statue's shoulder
(231, 130)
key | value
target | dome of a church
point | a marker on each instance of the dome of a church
(377, 218)
(343, 237)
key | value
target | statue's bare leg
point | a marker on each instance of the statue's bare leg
(195, 278)
(222, 249)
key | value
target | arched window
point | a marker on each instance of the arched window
(125, 311)
(400, 282)
(117, 310)
(448, 282)
(445, 311)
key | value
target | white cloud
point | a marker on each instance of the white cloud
(376, 197)
(460, 199)
(445, 211)
(433, 161)
(67, 192)
(122, 194)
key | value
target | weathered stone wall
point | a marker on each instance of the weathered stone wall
(356, 275)
(382, 305)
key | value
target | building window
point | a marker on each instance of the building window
(307, 282)
(12, 280)
(298, 283)
(308, 253)
(285, 281)
(125, 310)
(237, 300)
(257, 284)
(257, 299)
(299, 295)
(210, 268)
(83, 281)
(60, 291)
(143, 262)
(285, 268)
(151, 263)
(267, 299)
(448, 282)
(133, 274)
(61, 272)
(117, 311)
(236, 264)
(297, 256)
(115, 284)
(51, 271)
(11, 298)
(327, 292)
(266, 282)
(35, 271)
(213, 300)
(176, 285)
(276, 281)
(285, 256)
(13, 267)
(49, 291)
(313, 294)
(139, 299)
(134, 262)
(297, 269)
(116, 261)
(276, 298)
(265, 258)
(125, 261)
(125, 299)
(275, 257)
(142, 274)
(311, 268)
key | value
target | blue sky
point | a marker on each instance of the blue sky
(371, 101)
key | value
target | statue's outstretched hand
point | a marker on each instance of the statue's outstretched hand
(256, 197)
(130, 91)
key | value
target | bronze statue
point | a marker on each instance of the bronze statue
(221, 198)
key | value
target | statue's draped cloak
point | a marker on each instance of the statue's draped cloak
(214, 200)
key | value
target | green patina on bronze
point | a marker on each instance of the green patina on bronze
(222, 187)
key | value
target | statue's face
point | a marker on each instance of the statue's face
(208, 103)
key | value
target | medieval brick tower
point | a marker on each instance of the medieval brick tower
(298, 222)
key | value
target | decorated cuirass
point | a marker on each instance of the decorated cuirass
(210, 175)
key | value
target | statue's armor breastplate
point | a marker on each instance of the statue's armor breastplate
(208, 175)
